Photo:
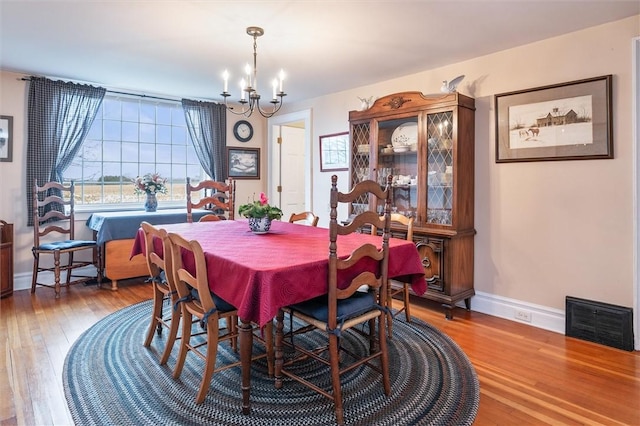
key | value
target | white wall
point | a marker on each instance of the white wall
(545, 230)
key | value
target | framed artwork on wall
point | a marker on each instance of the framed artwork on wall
(244, 163)
(6, 138)
(568, 121)
(334, 152)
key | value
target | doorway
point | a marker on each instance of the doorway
(290, 162)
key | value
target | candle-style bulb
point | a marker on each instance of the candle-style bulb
(225, 78)
(281, 79)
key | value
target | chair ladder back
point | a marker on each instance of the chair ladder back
(378, 280)
(184, 279)
(309, 217)
(49, 198)
(211, 200)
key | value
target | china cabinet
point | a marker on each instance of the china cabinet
(427, 144)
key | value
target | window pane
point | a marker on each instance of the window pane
(163, 114)
(95, 132)
(130, 152)
(112, 130)
(163, 154)
(111, 151)
(147, 133)
(177, 117)
(130, 110)
(164, 134)
(130, 131)
(147, 113)
(111, 109)
(179, 136)
(179, 154)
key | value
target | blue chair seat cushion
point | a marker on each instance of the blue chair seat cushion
(355, 305)
(221, 304)
(66, 245)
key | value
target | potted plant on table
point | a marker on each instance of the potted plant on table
(260, 214)
(150, 184)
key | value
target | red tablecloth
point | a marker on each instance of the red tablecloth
(259, 274)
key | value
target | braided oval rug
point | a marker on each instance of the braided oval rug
(110, 378)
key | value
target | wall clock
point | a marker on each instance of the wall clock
(243, 131)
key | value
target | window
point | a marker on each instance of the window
(128, 138)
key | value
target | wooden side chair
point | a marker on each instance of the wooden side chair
(396, 287)
(164, 289)
(197, 301)
(219, 197)
(54, 235)
(345, 309)
(308, 217)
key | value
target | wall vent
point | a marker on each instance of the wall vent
(599, 322)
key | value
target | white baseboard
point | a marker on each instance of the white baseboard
(498, 306)
(541, 316)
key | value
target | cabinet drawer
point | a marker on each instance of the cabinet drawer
(432, 254)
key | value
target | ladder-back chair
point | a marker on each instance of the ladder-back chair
(345, 309)
(54, 236)
(396, 287)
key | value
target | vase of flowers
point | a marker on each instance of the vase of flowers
(260, 214)
(150, 184)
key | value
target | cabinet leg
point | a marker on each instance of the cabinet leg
(114, 285)
(467, 303)
(448, 311)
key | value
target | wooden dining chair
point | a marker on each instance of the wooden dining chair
(396, 288)
(164, 290)
(197, 301)
(344, 309)
(308, 217)
(54, 235)
(219, 197)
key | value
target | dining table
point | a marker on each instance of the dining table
(262, 273)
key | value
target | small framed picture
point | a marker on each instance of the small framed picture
(244, 163)
(568, 121)
(334, 152)
(6, 138)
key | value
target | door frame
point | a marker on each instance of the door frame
(636, 184)
(283, 120)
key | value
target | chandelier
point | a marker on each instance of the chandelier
(249, 86)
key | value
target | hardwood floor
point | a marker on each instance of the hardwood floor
(527, 376)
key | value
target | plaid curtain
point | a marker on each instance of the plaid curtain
(207, 124)
(59, 117)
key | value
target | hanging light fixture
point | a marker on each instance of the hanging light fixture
(249, 86)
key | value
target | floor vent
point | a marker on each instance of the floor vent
(599, 322)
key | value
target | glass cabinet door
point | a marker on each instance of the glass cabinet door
(397, 155)
(440, 168)
(360, 164)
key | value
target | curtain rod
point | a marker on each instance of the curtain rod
(124, 93)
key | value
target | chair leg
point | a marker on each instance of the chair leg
(210, 361)
(187, 321)
(173, 334)
(389, 316)
(407, 305)
(56, 264)
(334, 356)
(156, 313)
(384, 356)
(69, 267)
(34, 276)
